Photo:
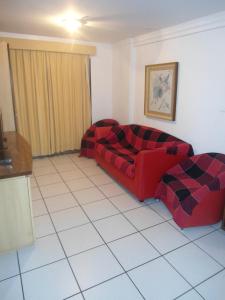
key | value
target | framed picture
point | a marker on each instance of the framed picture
(161, 90)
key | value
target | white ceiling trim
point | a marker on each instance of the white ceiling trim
(46, 38)
(208, 23)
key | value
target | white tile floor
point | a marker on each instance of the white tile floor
(95, 241)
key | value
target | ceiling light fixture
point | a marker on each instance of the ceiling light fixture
(72, 24)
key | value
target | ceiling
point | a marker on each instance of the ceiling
(108, 20)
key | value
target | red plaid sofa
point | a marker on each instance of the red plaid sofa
(194, 190)
(137, 156)
(89, 138)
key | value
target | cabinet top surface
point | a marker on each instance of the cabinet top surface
(20, 152)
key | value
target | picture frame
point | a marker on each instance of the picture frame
(161, 90)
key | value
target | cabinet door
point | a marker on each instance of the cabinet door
(16, 224)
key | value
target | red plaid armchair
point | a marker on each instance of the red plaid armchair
(194, 190)
(137, 156)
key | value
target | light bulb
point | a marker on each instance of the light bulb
(71, 24)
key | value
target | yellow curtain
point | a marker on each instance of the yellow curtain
(6, 103)
(52, 99)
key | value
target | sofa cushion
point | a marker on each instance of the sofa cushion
(122, 158)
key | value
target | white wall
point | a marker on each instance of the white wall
(121, 78)
(201, 88)
(101, 82)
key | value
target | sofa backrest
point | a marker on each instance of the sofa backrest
(143, 137)
(140, 137)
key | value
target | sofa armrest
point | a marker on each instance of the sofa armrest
(153, 164)
(102, 132)
(150, 160)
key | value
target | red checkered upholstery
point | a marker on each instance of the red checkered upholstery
(88, 140)
(124, 142)
(187, 184)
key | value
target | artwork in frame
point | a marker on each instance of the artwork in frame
(161, 90)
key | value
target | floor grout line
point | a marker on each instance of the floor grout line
(177, 298)
(162, 255)
(113, 253)
(102, 282)
(65, 254)
(20, 274)
(10, 277)
(208, 253)
(209, 277)
(122, 212)
(194, 240)
(42, 266)
(61, 209)
(138, 231)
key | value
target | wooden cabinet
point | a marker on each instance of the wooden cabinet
(16, 222)
(16, 228)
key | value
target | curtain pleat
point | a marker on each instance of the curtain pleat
(6, 102)
(52, 99)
